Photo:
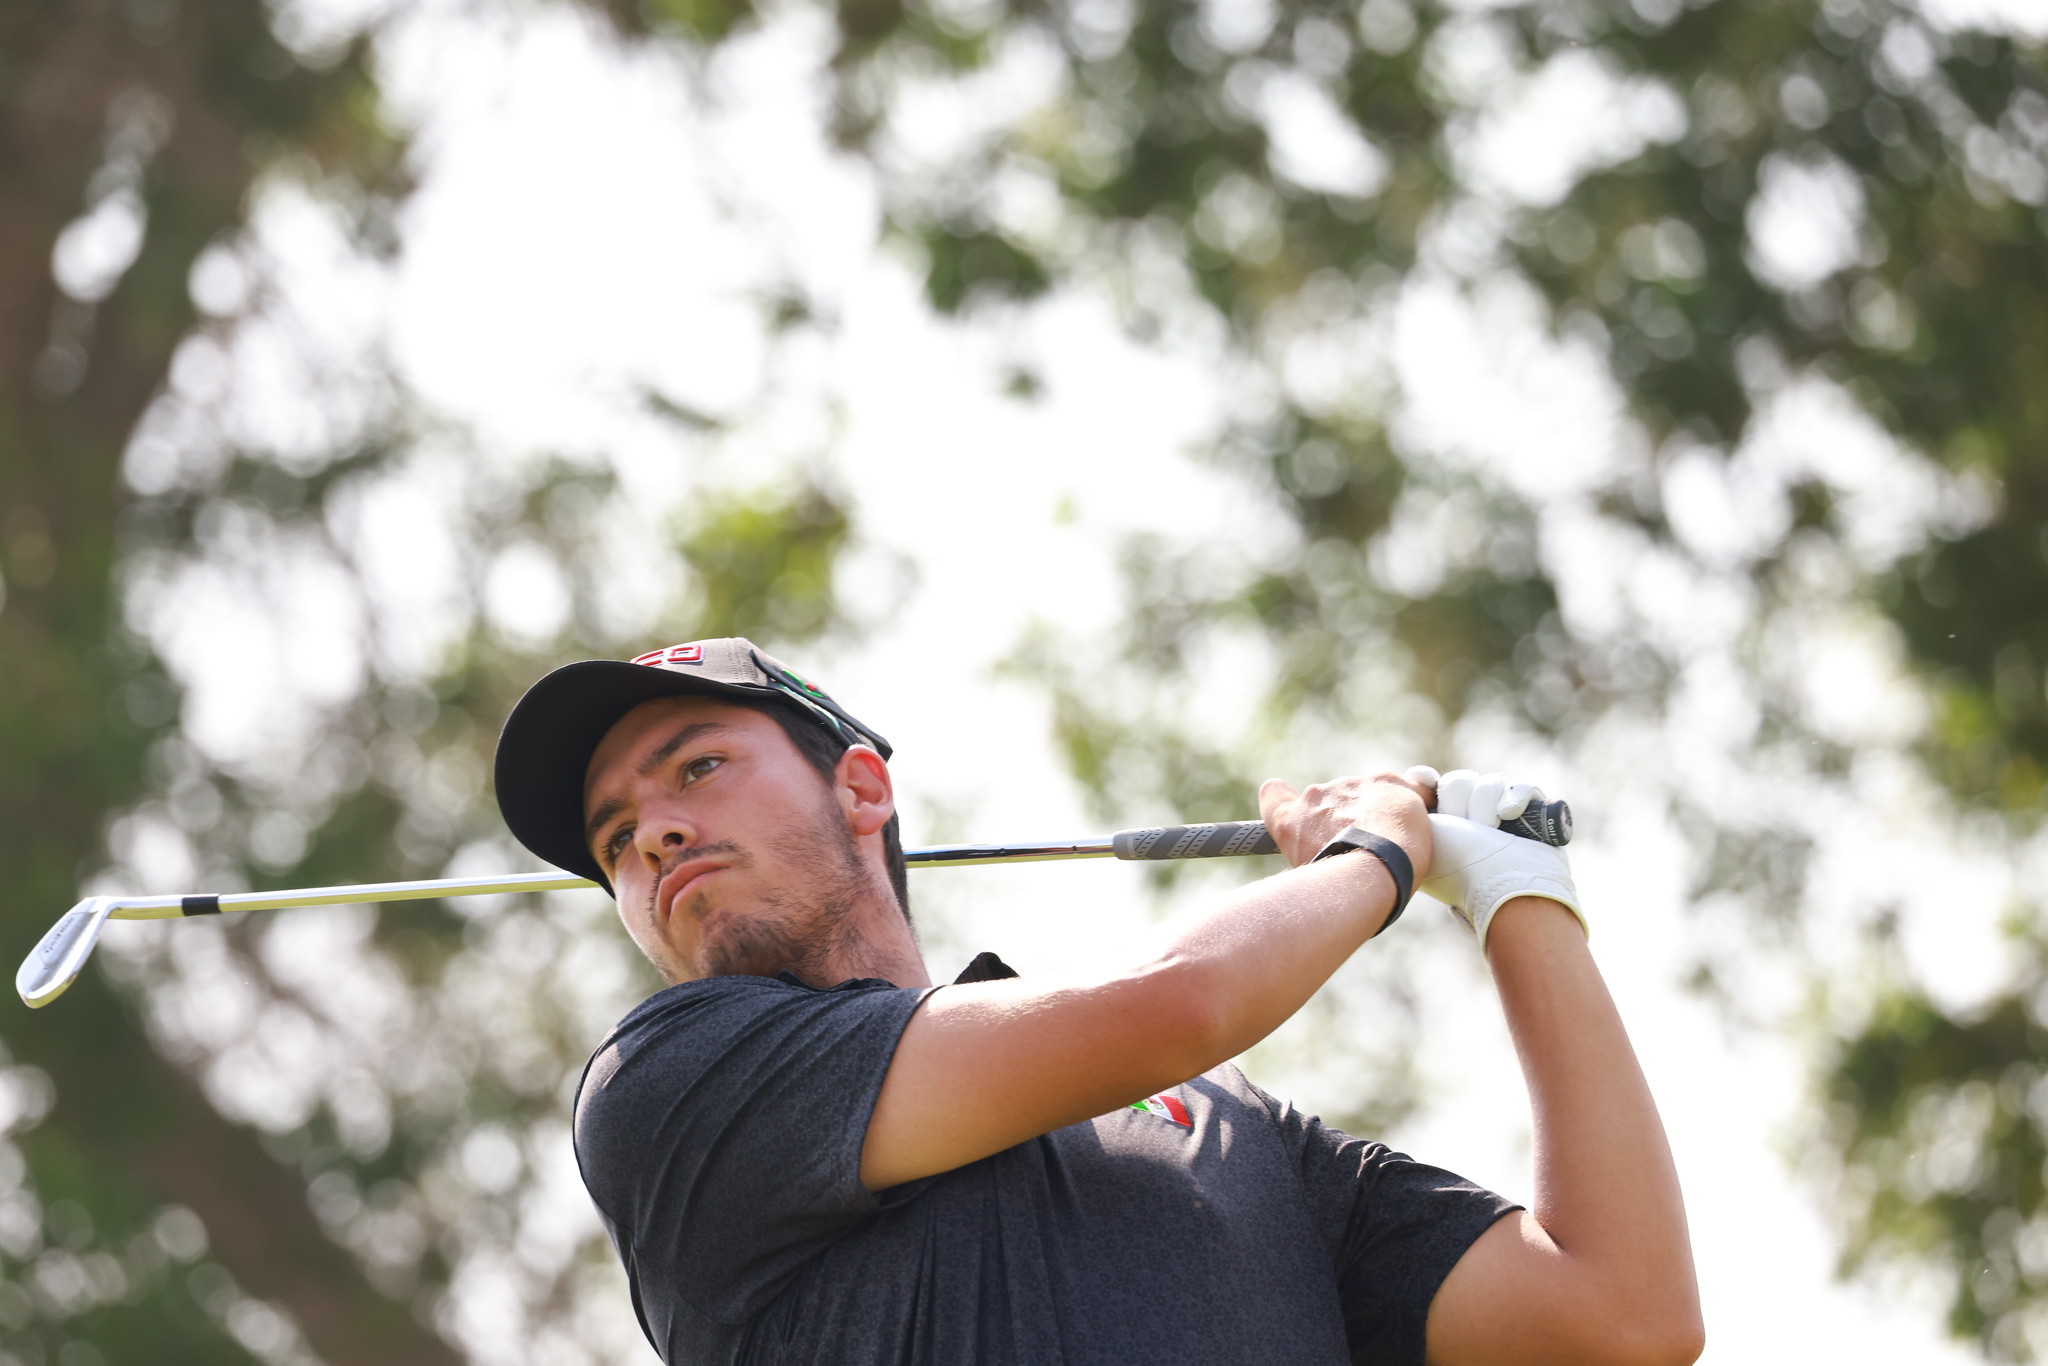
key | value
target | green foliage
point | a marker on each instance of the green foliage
(185, 1182)
(1936, 326)
(970, 265)
(763, 562)
(183, 108)
(703, 20)
(491, 1022)
(1975, 610)
(1942, 1124)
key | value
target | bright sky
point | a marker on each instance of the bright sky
(585, 226)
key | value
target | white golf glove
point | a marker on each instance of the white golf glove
(1474, 867)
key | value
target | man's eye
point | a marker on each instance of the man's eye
(697, 768)
(616, 845)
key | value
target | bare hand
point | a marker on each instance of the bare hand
(1392, 805)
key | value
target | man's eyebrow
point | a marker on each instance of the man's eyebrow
(666, 750)
(660, 755)
(600, 818)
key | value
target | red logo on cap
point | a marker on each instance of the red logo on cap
(674, 654)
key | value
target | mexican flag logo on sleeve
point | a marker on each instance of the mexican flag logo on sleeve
(1166, 1106)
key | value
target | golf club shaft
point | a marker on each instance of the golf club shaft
(1226, 839)
(175, 906)
(62, 953)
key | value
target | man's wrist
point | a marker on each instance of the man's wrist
(1531, 918)
(1391, 856)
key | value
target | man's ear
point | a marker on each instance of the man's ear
(865, 789)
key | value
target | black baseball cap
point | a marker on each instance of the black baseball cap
(548, 739)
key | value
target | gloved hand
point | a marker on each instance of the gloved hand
(1476, 868)
(1483, 798)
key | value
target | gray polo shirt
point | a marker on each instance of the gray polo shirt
(719, 1130)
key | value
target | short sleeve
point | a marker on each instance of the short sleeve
(1394, 1226)
(719, 1130)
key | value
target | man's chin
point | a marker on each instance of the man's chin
(736, 948)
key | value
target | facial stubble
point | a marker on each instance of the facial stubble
(803, 926)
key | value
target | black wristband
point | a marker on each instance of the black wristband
(1387, 852)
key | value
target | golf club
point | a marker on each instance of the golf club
(63, 951)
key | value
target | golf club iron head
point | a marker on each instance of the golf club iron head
(57, 960)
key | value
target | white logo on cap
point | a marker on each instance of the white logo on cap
(674, 654)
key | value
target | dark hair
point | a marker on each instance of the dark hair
(821, 747)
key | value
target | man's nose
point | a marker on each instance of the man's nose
(663, 834)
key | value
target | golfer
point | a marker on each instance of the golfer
(808, 1153)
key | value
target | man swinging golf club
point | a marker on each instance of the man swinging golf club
(806, 1152)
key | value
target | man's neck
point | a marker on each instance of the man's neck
(882, 946)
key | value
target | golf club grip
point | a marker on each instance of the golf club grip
(1550, 823)
(1194, 841)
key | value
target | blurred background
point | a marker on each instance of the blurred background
(1115, 402)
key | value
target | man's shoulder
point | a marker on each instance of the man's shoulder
(681, 1028)
(740, 992)
(1232, 1087)
(686, 997)
(1174, 1121)
(700, 1062)
(1230, 1093)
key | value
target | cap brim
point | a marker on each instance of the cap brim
(545, 749)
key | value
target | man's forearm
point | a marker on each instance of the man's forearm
(1606, 1190)
(1257, 958)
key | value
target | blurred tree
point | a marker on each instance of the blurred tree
(277, 1141)
(1750, 211)
(129, 138)
(412, 1067)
